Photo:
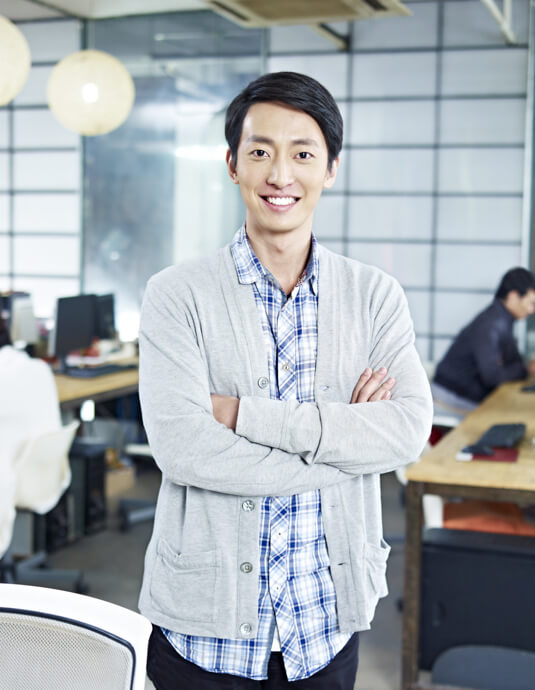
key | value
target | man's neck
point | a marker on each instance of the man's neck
(284, 255)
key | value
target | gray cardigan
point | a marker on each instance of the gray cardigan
(200, 334)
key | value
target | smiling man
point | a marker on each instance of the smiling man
(277, 381)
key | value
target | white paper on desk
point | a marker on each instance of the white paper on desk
(464, 457)
(127, 350)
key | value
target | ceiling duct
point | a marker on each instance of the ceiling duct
(258, 13)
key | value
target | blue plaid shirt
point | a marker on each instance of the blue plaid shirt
(296, 591)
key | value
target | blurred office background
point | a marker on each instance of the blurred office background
(436, 179)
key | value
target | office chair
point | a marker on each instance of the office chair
(55, 639)
(485, 668)
(42, 474)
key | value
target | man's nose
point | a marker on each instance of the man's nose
(280, 173)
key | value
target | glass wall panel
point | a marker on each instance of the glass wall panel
(419, 305)
(302, 39)
(392, 170)
(474, 266)
(469, 23)
(487, 121)
(390, 217)
(329, 70)
(4, 131)
(4, 212)
(394, 74)
(484, 72)
(34, 90)
(480, 218)
(44, 171)
(417, 31)
(45, 292)
(481, 170)
(409, 263)
(46, 213)
(398, 122)
(40, 129)
(329, 217)
(4, 171)
(51, 41)
(36, 255)
(4, 253)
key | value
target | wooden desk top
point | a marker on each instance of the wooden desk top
(506, 405)
(73, 392)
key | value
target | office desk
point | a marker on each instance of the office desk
(438, 472)
(72, 392)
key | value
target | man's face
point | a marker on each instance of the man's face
(281, 168)
(521, 306)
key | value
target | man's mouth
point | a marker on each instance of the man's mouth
(282, 201)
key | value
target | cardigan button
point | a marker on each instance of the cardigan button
(263, 382)
(246, 629)
(246, 567)
(247, 505)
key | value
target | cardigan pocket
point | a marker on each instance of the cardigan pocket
(375, 558)
(183, 585)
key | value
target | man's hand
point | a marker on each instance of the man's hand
(225, 409)
(371, 386)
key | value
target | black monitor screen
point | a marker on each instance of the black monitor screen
(75, 324)
(105, 317)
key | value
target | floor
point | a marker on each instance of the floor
(113, 563)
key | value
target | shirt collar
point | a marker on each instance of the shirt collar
(250, 270)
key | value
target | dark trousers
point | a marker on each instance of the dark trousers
(169, 671)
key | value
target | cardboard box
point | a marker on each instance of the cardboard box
(119, 480)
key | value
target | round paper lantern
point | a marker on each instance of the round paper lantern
(15, 60)
(90, 92)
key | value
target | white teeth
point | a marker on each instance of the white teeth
(281, 200)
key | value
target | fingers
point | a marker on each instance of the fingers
(372, 386)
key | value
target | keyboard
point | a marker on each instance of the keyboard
(100, 370)
(497, 436)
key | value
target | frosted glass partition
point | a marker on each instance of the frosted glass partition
(4, 253)
(481, 170)
(4, 171)
(40, 129)
(45, 291)
(420, 305)
(387, 75)
(51, 41)
(469, 23)
(330, 70)
(392, 170)
(488, 121)
(4, 129)
(485, 219)
(47, 171)
(409, 263)
(380, 123)
(46, 213)
(299, 39)
(329, 217)
(390, 217)
(416, 31)
(34, 90)
(484, 72)
(36, 255)
(4, 213)
(476, 267)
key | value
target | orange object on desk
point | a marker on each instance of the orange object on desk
(500, 455)
(487, 516)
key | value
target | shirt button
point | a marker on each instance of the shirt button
(263, 382)
(246, 567)
(246, 629)
(286, 366)
(247, 506)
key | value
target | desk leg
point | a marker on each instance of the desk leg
(411, 596)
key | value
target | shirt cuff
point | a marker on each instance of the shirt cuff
(262, 420)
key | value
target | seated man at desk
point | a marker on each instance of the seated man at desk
(28, 407)
(485, 354)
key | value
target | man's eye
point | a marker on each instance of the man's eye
(259, 153)
(304, 155)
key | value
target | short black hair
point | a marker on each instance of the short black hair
(518, 279)
(4, 333)
(296, 91)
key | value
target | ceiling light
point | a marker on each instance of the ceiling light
(15, 60)
(90, 92)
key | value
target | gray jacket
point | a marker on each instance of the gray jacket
(200, 334)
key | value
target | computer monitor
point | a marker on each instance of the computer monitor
(22, 321)
(74, 326)
(105, 317)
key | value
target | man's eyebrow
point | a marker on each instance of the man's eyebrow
(259, 139)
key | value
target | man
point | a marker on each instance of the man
(485, 354)
(270, 411)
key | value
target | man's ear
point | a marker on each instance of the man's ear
(330, 175)
(231, 168)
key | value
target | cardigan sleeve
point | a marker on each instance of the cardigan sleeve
(189, 446)
(357, 438)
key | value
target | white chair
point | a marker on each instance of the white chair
(55, 639)
(42, 473)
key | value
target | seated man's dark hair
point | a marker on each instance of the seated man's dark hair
(519, 279)
(4, 333)
(292, 89)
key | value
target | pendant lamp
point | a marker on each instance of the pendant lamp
(15, 60)
(90, 92)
